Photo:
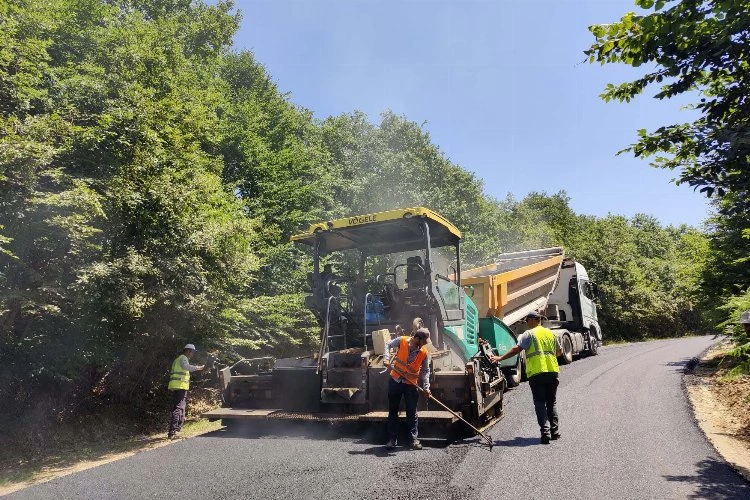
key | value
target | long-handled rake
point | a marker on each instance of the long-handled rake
(430, 396)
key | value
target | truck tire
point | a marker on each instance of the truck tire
(567, 350)
(593, 349)
(515, 379)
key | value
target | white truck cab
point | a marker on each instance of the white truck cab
(571, 311)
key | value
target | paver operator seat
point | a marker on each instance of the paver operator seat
(415, 272)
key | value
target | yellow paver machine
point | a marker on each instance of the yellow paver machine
(398, 267)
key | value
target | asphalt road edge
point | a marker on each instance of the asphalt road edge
(56, 473)
(724, 445)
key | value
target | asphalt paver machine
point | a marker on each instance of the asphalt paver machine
(401, 266)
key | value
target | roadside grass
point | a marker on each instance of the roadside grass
(33, 456)
(19, 468)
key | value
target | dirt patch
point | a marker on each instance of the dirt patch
(722, 406)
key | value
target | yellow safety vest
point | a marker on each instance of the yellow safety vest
(179, 378)
(541, 356)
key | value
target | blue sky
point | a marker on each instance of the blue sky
(500, 85)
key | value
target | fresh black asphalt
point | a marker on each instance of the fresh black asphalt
(628, 432)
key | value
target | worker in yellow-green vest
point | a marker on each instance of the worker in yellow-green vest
(542, 348)
(179, 383)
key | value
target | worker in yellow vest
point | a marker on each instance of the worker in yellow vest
(542, 348)
(410, 367)
(179, 383)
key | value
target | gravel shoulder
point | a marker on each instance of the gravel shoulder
(722, 407)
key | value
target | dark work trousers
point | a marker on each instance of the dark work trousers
(411, 395)
(177, 417)
(544, 392)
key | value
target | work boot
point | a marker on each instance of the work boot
(555, 436)
(545, 439)
(416, 445)
(391, 444)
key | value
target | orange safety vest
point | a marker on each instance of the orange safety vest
(409, 371)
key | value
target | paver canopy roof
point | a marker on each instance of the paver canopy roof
(382, 232)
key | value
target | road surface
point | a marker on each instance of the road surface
(628, 432)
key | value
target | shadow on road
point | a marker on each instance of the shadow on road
(378, 451)
(372, 434)
(685, 365)
(518, 442)
(301, 430)
(715, 479)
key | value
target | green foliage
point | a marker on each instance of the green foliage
(120, 240)
(648, 275)
(699, 48)
(732, 308)
(395, 164)
(279, 324)
(275, 159)
(150, 179)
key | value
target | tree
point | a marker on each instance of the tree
(701, 48)
(120, 241)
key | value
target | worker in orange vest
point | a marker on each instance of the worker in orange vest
(411, 366)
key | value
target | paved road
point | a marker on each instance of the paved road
(628, 432)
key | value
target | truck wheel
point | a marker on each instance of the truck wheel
(515, 379)
(593, 344)
(567, 349)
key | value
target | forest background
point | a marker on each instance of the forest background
(150, 179)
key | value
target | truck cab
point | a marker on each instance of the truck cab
(573, 302)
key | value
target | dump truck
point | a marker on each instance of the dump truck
(541, 280)
(374, 277)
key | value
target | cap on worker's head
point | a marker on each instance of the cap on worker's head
(189, 346)
(533, 315)
(422, 334)
(745, 317)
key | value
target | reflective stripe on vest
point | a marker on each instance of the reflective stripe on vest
(401, 363)
(179, 379)
(541, 356)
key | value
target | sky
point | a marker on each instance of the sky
(501, 86)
